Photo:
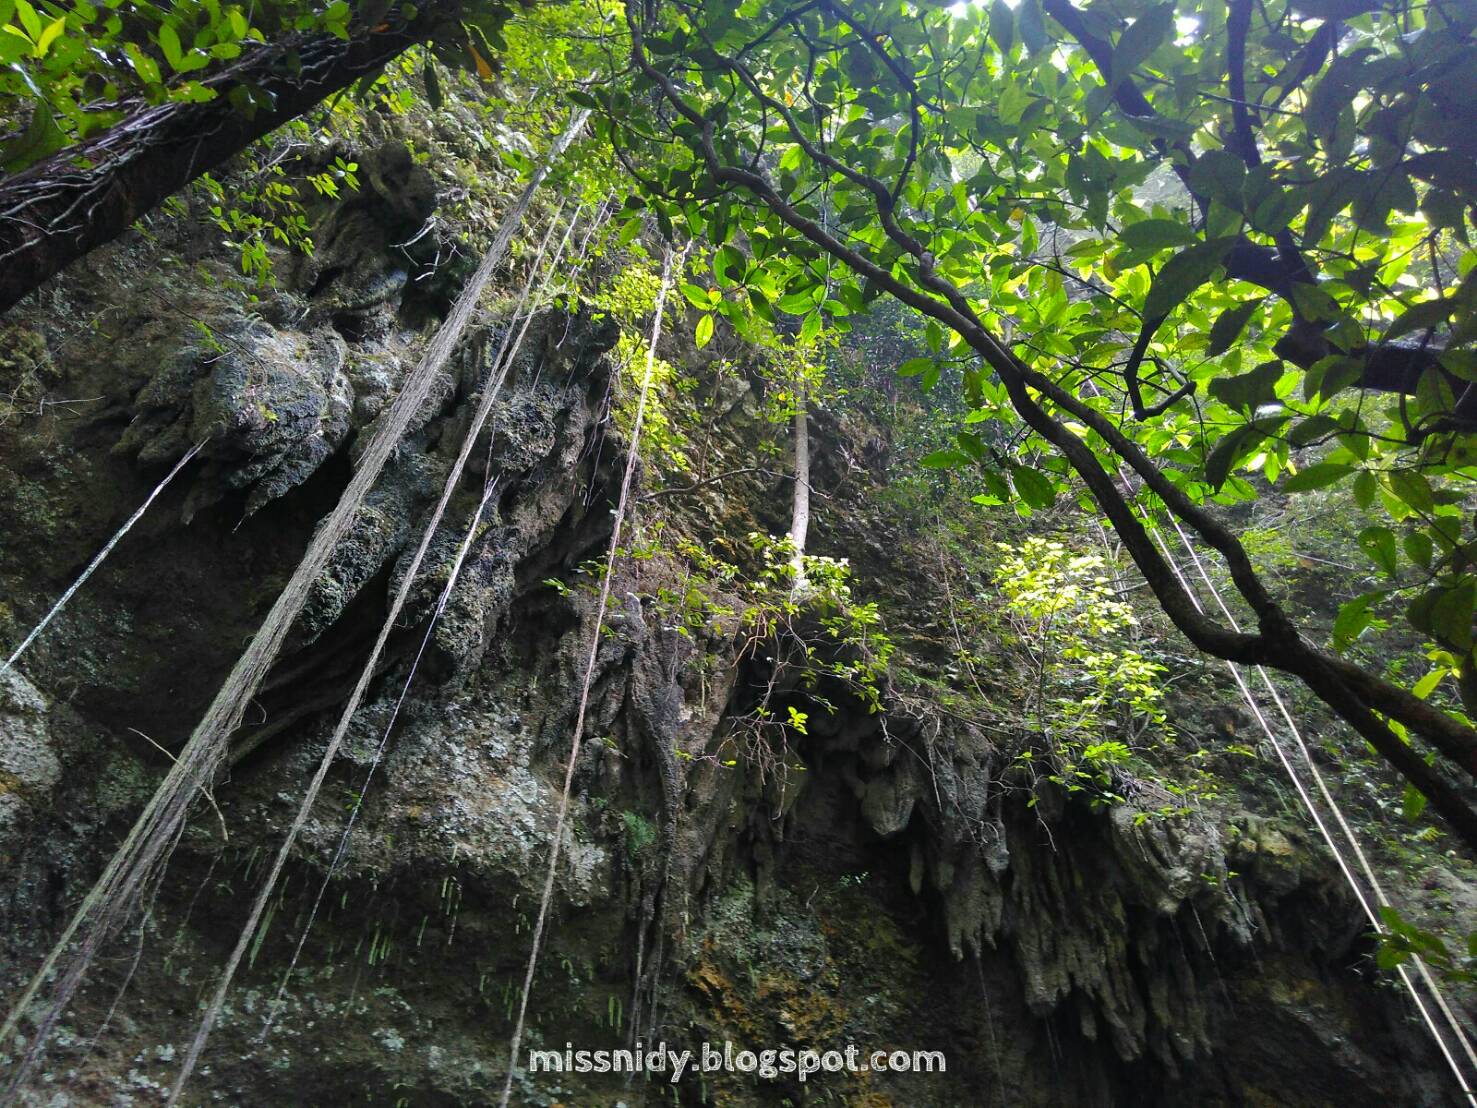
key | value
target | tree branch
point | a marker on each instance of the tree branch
(82, 197)
(1277, 643)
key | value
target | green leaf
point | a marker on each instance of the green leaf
(29, 19)
(1250, 390)
(1387, 957)
(1314, 303)
(1412, 803)
(797, 303)
(1140, 40)
(1228, 327)
(1353, 618)
(1155, 234)
(811, 327)
(1378, 543)
(1427, 684)
(1034, 487)
(727, 261)
(48, 36)
(629, 230)
(1412, 488)
(699, 297)
(146, 67)
(1317, 476)
(1182, 275)
(1421, 317)
(972, 445)
(433, 86)
(914, 366)
(1002, 26)
(704, 333)
(1232, 447)
(1028, 21)
(944, 459)
(41, 137)
(169, 43)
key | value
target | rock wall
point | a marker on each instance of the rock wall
(883, 883)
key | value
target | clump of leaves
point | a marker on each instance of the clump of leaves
(1093, 698)
(1401, 940)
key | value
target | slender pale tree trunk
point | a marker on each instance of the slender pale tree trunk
(800, 511)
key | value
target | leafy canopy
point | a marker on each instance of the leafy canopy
(1068, 221)
(1178, 251)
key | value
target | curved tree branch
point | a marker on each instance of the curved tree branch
(1353, 693)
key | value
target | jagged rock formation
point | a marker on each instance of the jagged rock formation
(888, 885)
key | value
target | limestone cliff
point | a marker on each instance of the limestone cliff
(883, 879)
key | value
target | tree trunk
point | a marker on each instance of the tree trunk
(800, 512)
(88, 194)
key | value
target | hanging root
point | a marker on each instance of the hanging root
(212, 1012)
(1369, 900)
(98, 559)
(584, 702)
(507, 353)
(149, 841)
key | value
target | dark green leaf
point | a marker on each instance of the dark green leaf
(1028, 20)
(1421, 317)
(1217, 174)
(1317, 476)
(1276, 208)
(1155, 234)
(1331, 375)
(1447, 169)
(1140, 40)
(1451, 615)
(1035, 488)
(944, 459)
(1250, 390)
(1236, 445)
(1364, 489)
(1228, 326)
(1182, 275)
(1336, 9)
(1419, 548)
(1002, 26)
(1312, 429)
(41, 137)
